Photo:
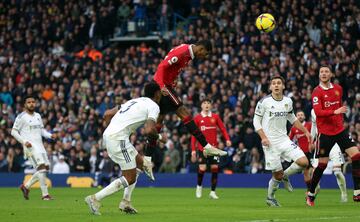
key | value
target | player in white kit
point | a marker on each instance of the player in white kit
(271, 115)
(132, 115)
(336, 161)
(28, 130)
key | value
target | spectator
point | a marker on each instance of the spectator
(3, 164)
(167, 165)
(173, 153)
(106, 168)
(61, 167)
(82, 163)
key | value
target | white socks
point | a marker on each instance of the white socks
(128, 190)
(273, 186)
(292, 169)
(42, 180)
(340, 178)
(33, 179)
(113, 187)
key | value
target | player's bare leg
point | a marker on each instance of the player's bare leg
(214, 177)
(354, 153)
(340, 179)
(93, 201)
(273, 187)
(295, 167)
(200, 176)
(184, 114)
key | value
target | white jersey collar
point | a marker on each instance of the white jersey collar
(326, 88)
(204, 115)
(191, 51)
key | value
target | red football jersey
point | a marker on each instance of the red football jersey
(175, 61)
(300, 136)
(208, 126)
(325, 101)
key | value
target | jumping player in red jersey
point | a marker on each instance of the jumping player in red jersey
(303, 143)
(166, 75)
(329, 110)
(208, 123)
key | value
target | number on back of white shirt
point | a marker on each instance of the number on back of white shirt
(123, 110)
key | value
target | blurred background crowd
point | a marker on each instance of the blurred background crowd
(61, 51)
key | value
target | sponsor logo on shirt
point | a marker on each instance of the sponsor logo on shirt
(328, 104)
(203, 128)
(278, 114)
(35, 127)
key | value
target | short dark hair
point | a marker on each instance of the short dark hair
(206, 44)
(150, 89)
(28, 97)
(206, 100)
(277, 77)
(299, 111)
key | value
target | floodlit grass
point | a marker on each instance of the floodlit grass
(177, 204)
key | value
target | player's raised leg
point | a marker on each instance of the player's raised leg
(296, 167)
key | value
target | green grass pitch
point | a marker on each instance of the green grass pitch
(177, 204)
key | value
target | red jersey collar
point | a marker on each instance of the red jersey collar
(204, 115)
(326, 88)
(191, 51)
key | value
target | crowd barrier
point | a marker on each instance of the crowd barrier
(170, 180)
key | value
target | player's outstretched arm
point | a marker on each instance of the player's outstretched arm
(300, 126)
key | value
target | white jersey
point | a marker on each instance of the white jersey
(31, 129)
(131, 116)
(274, 115)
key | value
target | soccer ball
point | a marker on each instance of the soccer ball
(265, 22)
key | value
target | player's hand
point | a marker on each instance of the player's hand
(340, 110)
(193, 156)
(28, 144)
(164, 91)
(309, 138)
(265, 142)
(311, 147)
(228, 143)
(54, 136)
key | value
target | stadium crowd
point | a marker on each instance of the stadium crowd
(60, 51)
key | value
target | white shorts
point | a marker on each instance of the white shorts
(121, 152)
(38, 159)
(286, 150)
(336, 158)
